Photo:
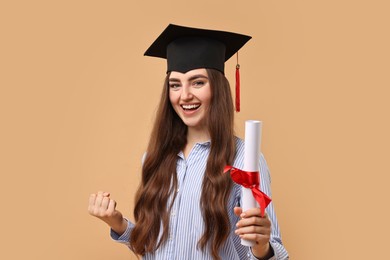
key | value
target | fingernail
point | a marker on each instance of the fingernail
(242, 215)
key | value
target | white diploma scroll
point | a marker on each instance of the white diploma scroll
(251, 164)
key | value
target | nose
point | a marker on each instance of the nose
(186, 93)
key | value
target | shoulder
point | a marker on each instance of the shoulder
(240, 145)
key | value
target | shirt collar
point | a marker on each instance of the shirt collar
(205, 144)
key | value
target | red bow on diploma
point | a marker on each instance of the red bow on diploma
(250, 180)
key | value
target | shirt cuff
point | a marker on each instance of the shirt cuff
(124, 238)
(251, 256)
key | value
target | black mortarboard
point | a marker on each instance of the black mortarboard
(188, 48)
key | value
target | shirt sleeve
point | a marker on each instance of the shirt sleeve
(124, 238)
(280, 252)
(251, 256)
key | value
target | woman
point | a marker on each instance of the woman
(185, 206)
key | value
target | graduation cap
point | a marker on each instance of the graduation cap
(187, 48)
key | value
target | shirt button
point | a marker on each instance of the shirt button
(173, 213)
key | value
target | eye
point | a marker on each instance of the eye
(198, 83)
(174, 86)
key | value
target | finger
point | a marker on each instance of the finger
(99, 199)
(106, 194)
(266, 231)
(251, 230)
(92, 199)
(254, 221)
(253, 212)
(105, 202)
(237, 211)
(91, 202)
(112, 205)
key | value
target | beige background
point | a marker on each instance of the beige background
(77, 101)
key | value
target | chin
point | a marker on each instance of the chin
(191, 124)
(195, 125)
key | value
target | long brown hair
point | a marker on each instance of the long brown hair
(159, 181)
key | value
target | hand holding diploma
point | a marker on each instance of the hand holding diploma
(254, 228)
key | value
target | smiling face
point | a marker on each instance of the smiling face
(190, 96)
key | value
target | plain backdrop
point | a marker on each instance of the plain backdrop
(78, 99)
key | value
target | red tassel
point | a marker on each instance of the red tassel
(238, 88)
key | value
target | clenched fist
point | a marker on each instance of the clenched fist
(104, 208)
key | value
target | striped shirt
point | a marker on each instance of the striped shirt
(186, 221)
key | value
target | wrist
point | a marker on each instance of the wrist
(118, 226)
(263, 252)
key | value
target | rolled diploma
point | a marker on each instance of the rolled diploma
(251, 164)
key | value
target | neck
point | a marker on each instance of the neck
(195, 136)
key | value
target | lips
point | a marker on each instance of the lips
(190, 107)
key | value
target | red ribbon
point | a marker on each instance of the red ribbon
(250, 180)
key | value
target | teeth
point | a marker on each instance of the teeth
(190, 106)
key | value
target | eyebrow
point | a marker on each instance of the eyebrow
(190, 79)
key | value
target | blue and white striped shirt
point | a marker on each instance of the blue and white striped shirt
(186, 221)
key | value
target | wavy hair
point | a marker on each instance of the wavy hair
(159, 180)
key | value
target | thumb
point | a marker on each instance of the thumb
(237, 211)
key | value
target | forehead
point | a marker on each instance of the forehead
(188, 74)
